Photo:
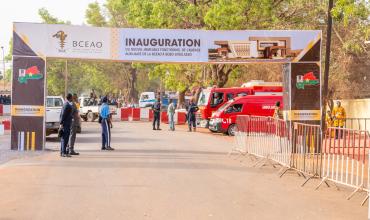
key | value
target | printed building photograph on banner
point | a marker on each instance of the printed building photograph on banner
(265, 46)
(254, 48)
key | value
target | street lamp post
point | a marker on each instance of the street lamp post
(2, 48)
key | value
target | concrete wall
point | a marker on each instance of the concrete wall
(357, 108)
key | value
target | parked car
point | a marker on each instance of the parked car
(224, 119)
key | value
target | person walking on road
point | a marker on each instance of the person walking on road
(191, 110)
(76, 123)
(339, 118)
(171, 115)
(157, 114)
(105, 124)
(65, 126)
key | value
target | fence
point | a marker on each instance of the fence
(340, 156)
(272, 133)
(345, 156)
(146, 114)
(306, 157)
(358, 123)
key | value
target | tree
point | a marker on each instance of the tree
(49, 19)
(94, 15)
(115, 18)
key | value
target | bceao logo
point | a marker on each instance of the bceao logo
(31, 73)
(61, 36)
(77, 43)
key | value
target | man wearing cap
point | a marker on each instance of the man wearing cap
(105, 124)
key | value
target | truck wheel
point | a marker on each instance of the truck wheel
(90, 117)
(231, 130)
(95, 117)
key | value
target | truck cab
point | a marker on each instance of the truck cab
(147, 99)
(224, 119)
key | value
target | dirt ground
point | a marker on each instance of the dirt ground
(160, 175)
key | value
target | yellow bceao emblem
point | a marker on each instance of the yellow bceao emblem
(62, 39)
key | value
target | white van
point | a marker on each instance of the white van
(147, 99)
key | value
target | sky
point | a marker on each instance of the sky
(27, 11)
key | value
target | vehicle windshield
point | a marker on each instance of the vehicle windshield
(54, 102)
(144, 97)
(224, 106)
(203, 97)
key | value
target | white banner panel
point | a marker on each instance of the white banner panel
(170, 45)
(163, 45)
(78, 42)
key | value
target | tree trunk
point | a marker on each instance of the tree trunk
(197, 94)
(219, 74)
(181, 102)
(133, 94)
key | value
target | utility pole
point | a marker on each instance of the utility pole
(2, 48)
(66, 79)
(325, 87)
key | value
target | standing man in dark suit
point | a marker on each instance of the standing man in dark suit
(65, 125)
(157, 114)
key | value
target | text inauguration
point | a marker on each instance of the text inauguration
(136, 42)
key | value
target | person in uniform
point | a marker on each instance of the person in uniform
(171, 115)
(277, 111)
(157, 114)
(105, 124)
(65, 125)
(191, 110)
(339, 118)
(76, 123)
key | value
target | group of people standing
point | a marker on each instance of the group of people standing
(69, 122)
(336, 118)
(191, 110)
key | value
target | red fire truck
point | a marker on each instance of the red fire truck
(211, 99)
(224, 119)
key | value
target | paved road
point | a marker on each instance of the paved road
(159, 175)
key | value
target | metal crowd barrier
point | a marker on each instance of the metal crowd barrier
(345, 156)
(272, 133)
(306, 157)
(358, 123)
(340, 156)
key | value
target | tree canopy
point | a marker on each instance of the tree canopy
(350, 62)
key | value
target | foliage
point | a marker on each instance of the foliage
(49, 19)
(350, 62)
